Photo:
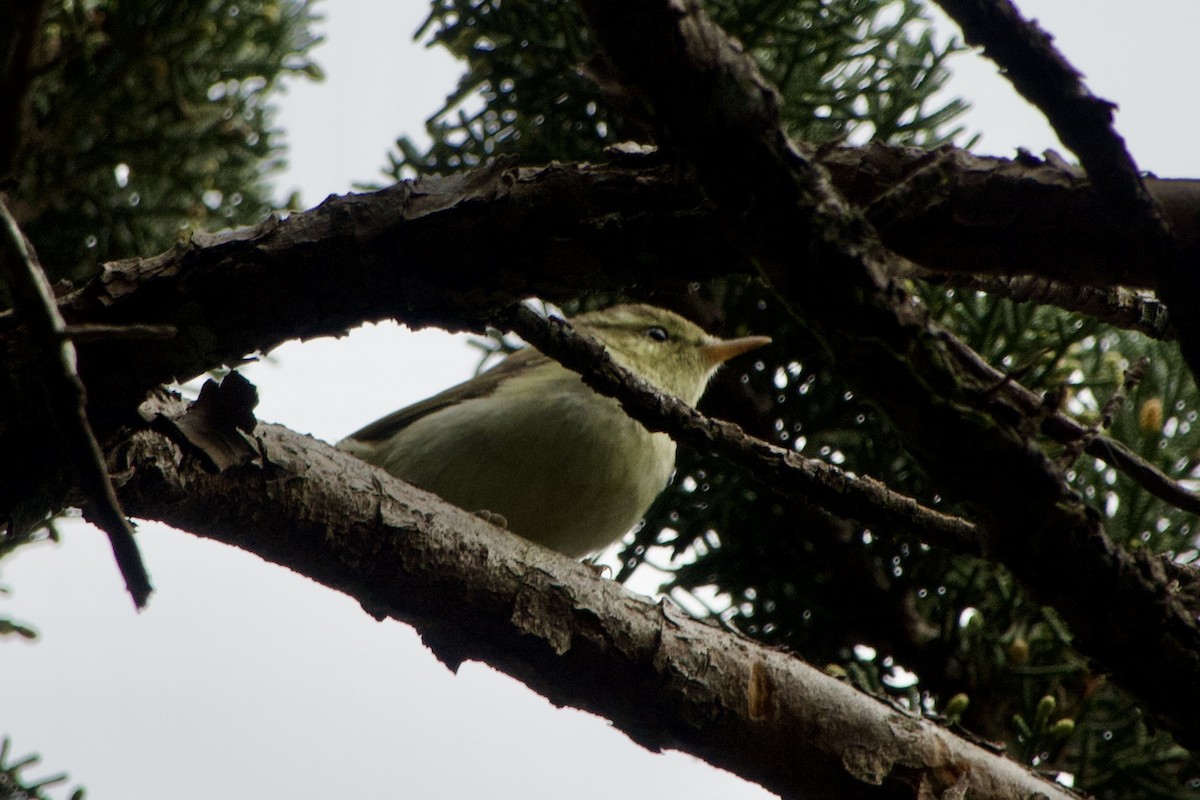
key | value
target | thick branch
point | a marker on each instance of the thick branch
(1028, 58)
(952, 211)
(385, 255)
(478, 593)
(711, 101)
(552, 231)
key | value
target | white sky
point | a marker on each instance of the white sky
(243, 680)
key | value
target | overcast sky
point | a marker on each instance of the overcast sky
(243, 680)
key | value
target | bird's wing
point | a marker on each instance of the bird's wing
(481, 385)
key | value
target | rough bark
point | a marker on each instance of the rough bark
(365, 257)
(555, 231)
(560, 230)
(951, 211)
(778, 203)
(1084, 122)
(475, 592)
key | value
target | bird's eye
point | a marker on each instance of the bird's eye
(657, 334)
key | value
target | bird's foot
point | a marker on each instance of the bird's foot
(601, 570)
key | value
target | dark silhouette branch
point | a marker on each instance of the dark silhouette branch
(956, 212)
(561, 229)
(1117, 306)
(784, 472)
(777, 201)
(1084, 122)
(68, 428)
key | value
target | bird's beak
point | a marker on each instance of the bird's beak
(721, 350)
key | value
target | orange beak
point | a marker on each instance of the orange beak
(721, 350)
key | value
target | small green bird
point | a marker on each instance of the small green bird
(529, 441)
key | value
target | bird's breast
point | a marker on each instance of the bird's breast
(566, 468)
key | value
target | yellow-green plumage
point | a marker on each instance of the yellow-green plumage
(529, 441)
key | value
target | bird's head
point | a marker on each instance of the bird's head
(671, 353)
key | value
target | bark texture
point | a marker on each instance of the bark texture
(829, 265)
(475, 592)
(555, 231)
(365, 257)
(827, 228)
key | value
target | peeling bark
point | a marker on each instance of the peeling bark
(475, 592)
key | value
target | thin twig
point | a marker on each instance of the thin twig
(1065, 430)
(788, 473)
(1133, 376)
(1124, 308)
(91, 332)
(34, 303)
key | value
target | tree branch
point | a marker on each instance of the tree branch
(561, 229)
(1028, 58)
(475, 592)
(610, 226)
(953, 211)
(782, 471)
(710, 101)
(67, 415)
(1118, 306)
(1065, 430)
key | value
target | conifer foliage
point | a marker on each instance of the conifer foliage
(893, 615)
(131, 123)
(124, 123)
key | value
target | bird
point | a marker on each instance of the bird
(528, 445)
